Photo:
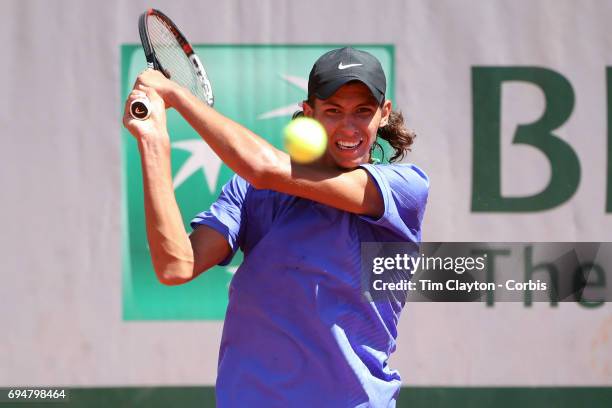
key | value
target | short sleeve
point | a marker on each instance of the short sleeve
(226, 214)
(404, 189)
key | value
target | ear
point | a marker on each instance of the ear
(308, 110)
(385, 113)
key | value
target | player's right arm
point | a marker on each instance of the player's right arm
(177, 257)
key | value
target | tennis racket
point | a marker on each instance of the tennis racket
(168, 51)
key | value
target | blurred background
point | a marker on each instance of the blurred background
(512, 105)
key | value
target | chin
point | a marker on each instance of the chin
(345, 166)
(350, 164)
(345, 163)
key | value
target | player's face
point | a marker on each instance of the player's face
(351, 117)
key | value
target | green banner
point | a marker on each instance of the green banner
(258, 86)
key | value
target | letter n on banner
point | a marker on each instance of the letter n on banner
(486, 169)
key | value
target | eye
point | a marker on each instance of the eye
(332, 111)
(364, 110)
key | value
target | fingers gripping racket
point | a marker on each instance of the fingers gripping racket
(167, 50)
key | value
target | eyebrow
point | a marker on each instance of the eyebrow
(368, 104)
(325, 102)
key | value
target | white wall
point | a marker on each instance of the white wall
(60, 179)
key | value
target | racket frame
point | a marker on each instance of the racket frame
(154, 63)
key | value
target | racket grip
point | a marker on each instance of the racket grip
(140, 108)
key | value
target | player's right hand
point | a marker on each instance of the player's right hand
(154, 127)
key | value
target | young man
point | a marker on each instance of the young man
(298, 330)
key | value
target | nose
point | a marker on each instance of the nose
(347, 126)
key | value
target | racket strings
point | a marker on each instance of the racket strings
(172, 58)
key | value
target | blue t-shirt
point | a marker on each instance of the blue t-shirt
(298, 331)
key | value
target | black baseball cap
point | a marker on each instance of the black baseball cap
(340, 66)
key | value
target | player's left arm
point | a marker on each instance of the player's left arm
(263, 165)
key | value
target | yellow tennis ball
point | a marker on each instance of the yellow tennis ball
(305, 139)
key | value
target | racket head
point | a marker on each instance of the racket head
(168, 51)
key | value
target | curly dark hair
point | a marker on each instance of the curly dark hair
(395, 132)
(399, 137)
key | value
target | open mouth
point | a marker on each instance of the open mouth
(344, 145)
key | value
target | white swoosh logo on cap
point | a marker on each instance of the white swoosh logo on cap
(340, 66)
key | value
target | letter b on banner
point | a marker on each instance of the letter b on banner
(486, 170)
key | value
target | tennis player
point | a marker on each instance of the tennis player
(298, 330)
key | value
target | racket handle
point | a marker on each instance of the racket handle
(140, 108)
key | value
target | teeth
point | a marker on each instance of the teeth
(348, 145)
